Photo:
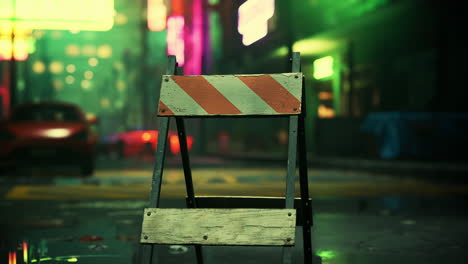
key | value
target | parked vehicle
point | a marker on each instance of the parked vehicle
(141, 142)
(55, 133)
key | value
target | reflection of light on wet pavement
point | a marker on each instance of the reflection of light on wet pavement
(177, 249)
(326, 254)
(25, 251)
(408, 222)
(12, 257)
(71, 258)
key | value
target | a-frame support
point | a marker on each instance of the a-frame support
(296, 145)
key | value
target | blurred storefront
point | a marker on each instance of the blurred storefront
(359, 58)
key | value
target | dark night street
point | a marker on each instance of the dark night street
(359, 216)
(233, 131)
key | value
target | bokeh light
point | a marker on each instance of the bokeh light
(69, 79)
(104, 51)
(105, 102)
(88, 75)
(85, 84)
(93, 62)
(58, 85)
(39, 67)
(121, 85)
(72, 50)
(71, 68)
(56, 67)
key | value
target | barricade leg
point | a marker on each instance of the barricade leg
(191, 202)
(290, 178)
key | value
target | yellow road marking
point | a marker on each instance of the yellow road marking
(141, 191)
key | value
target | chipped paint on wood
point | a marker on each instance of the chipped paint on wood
(231, 95)
(267, 227)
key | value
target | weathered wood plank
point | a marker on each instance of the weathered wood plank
(262, 227)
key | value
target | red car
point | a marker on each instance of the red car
(138, 142)
(56, 133)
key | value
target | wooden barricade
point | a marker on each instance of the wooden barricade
(236, 221)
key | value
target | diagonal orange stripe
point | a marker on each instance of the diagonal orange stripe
(273, 93)
(164, 110)
(206, 95)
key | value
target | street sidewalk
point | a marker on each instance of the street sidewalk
(432, 170)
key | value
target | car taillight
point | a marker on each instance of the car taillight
(6, 135)
(145, 137)
(82, 135)
(174, 144)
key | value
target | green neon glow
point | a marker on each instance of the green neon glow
(216, 35)
(326, 254)
(68, 259)
(213, 2)
(315, 46)
(59, 15)
(323, 67)
(280, 52)
(336, 86)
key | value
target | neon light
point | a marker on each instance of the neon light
(325, 112)
(21, 47)
(177, 7)
(323, 67)
(316, 46)
(25, 252)
(253, 19)
(5, 94)
(194, 65)
(175, 38)
(59, 15)
(72, 259)
(157, 15)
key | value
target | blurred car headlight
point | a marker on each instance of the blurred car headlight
(6, 135)
(82, 135)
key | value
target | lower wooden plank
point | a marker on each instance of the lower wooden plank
(261, 227)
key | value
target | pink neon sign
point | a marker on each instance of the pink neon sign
(196, 41)
(253, 19)
(175, 38)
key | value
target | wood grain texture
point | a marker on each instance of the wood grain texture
(262, 227)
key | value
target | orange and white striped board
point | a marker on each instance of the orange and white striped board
(231, 95)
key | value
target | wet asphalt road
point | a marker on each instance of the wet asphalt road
(359, 217)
